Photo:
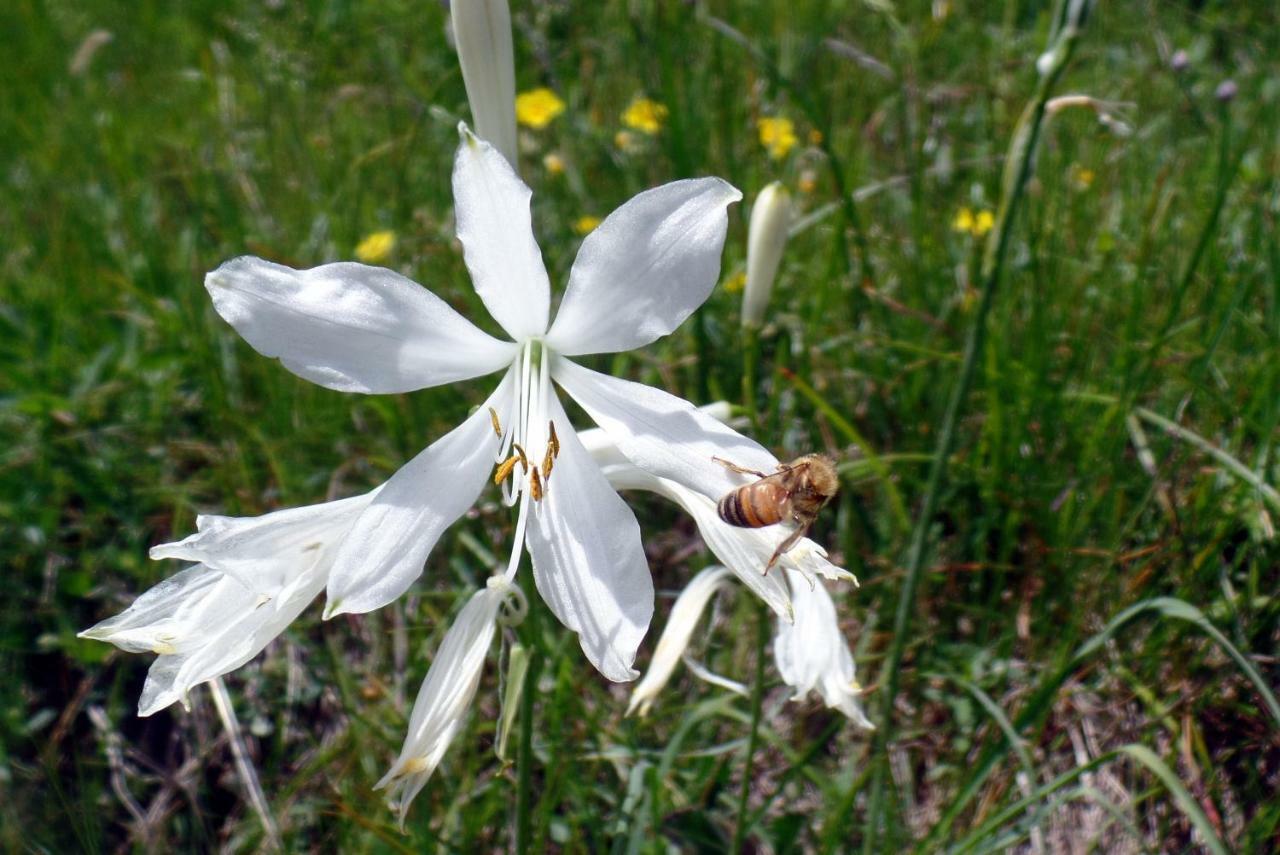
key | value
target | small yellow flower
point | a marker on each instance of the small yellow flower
(645, 116)
(586, 224)
(553, 163)
(735, 283)
(1081, 177)
(974, 224)
(376, 248)
(537, 107)
(982, 223)
(778, 135)
(815, 137)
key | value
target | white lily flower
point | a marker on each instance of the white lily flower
(675, 637)
(813, 654)
(482, 35)
(447, 692)
(254, 576)
(766, 238)
(638, 275)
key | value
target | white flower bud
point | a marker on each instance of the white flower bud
(482, 34)
(766, 238)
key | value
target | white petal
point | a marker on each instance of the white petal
(588, 561)
(766, 238)
(235, 627)
(352, 327)
(444, 698)
(642, 271)
(482, 34)
(492, 209)
(662, 434)
(675, 637)
(813, 654)
(154, 621)
(388, 544)
(264, 552)
(745, 551)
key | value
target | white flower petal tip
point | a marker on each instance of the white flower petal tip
(813, 655)
(675, 637)
(445, 696)
(766, 239)
(645, 269)
(352, 327)
(495, 228)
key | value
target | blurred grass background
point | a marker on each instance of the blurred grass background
(1143, 282)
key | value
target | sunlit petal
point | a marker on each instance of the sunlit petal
(645, 269)
(352, 327)
(662, 434)
(588, 561)
(494, 226)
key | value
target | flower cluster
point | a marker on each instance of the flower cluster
(355, 328)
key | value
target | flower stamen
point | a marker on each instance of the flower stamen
(535, 485)
(497, 425)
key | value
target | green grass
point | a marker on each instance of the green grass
(1094, 633)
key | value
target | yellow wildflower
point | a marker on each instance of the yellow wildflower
(586, 224)
(537, 107)
(974, 224)
(645, 116)
(1081, 177)
(553, 163)
(376, 248)
(736, 282)
(778, 135)
(982, 223)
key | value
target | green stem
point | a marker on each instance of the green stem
(751, 373)
(757, 702)
(1018, 167)
(524, 759)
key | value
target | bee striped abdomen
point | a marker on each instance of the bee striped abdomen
(750, 507)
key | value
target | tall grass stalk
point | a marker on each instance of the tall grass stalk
(1070, 18)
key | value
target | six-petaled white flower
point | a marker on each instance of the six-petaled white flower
(637, 277)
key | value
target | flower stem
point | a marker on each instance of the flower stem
(244, 766)
(757, 702)
(524, 759)
(1070, 16)
(751, 373)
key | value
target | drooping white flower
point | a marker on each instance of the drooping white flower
(447, 692)
(253, 577)
(766, 238)
(482, 35)
(638, 275)
(813, 654)
(675, 637)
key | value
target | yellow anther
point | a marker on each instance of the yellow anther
(497, 426)
(553, 444)
(524, 460)
(505, 469)
(548, 461)
(535, 485)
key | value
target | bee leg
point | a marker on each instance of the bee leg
(791, 541)
(733, 467)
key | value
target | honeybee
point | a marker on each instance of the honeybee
(794, 494)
